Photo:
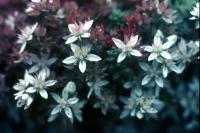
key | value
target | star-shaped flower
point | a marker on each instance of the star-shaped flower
(81, 55)
(68, 103)
(127, 47)
(22, 97)
(26, 35)
(158, 48)
(79, 31)
(39, 84)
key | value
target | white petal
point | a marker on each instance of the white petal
(182, 46)
(85, 35)
(158, 37)
(31, 90)
(72, 28)
(146, 79)
(170, 41)
(22, 48)
(68, 112)
(159, 81)
(82, 66)
(50, 83)
(87, 25)
(29, 101)
(29, 78)
(93, 57)
(34, 69)
(43, 93)
(71, 39)
(118, 43)
(152, 56)
(73, 100)
(42, 75)
(56, 110)
(136, 53)
(56, 97)
(121, 57)
(69, 88)
(133, 40)
(148, 48)
(70, 60)
(25, 96)
(166, 55)
(165, 71)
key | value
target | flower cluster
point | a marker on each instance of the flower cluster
(30, 85)
(134, 58)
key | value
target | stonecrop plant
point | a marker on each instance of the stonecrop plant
(136, 60)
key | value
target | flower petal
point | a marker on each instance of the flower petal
(56, 97)
(159, 81)
(121, 57)
(29, 78)
(152, 56)
(166, 55)
(148, 48)
(82, 66)
(86, 35)
(165, 71)
(93, 57)
(42, 75)
(68, 112)
(22, 48)
(87, 25)
(170, 41)
(31, 90)
(72, 28)
(73, 100)
(118, 43)
(70, 60)
(50, 83)
(56, 110)
(43, 93)
(146, 79)
(133, 40)
(135, 53)
(158, 37)
(71, 39)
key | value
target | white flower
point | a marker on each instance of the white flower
(168, 65)
(159, 48)
(80, 56)
(152, 73)
(38, 84)
(26, 35)
(23, 98)
(79, 31)
(66, 102)
(140, 104)
(195, 12)
(127, 48)
(96, 87)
